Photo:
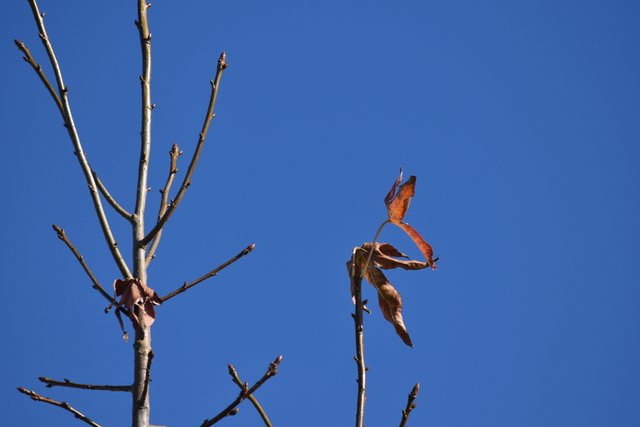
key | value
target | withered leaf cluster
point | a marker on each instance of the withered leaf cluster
(384, 256)
(139, 299)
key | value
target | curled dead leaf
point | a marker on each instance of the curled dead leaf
(384, 256)
(139, 299)
(397, 205)
(389, 301)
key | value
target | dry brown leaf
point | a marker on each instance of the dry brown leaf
(397, 205)
(133, 292)
(424, 247)
(390, 302)
(385, 257)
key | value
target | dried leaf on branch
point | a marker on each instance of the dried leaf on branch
(139, 299)
(386, 257)
(397, 205)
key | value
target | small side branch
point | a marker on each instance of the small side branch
(215, 84)
(174, 153)
(410, 404)
(244, 393)
(38, 69)
(63, 97)
(64, 405)
(96, 285)
(50, 382)
(115, 205)
(356, 284)
(186, 286)
(252, 399)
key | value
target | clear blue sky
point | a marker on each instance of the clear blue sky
(521, 121)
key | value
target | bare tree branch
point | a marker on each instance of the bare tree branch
(244, 393)
(222, 65)
(75, 139)
(38, 69)
(115, 205)
(410, 404)
(356, 285)
(145, 131)
(64, 405)
(186, 286)
(254, 401)
(174, 153)
(96, 285)
(50, 382)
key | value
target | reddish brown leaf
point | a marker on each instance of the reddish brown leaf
(388, 250)
(391, 194)
(424, 247)
(384, 256)
(397, 206)
(134, 293)
(390, 302)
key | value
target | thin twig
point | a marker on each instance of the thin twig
(96, 285)
(50, 382)
(254, 401)
(174, 153)
(64, 405)
(244, 393)
(356, 284)
(215, 84)
(114, 204)
(75, 139)
(373, 245)
(38, 69)
(410, 404)
(186, 286)
(147, 379)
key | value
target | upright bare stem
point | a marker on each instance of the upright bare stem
(215, 84)
(356, 283)
(142, 346)
(164, 199)
(411, 405)
(75, 139)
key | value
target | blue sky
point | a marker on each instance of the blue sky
(519, 119)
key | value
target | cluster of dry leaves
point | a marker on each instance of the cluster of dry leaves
(371, 258)
(139, 299)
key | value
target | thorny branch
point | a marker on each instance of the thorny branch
(174, 153)
(254, 401)
(63, 98)
(50, 382)
(64, 405)
(186, 286)
(244, 393)
(410, 404)
(215, 84)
